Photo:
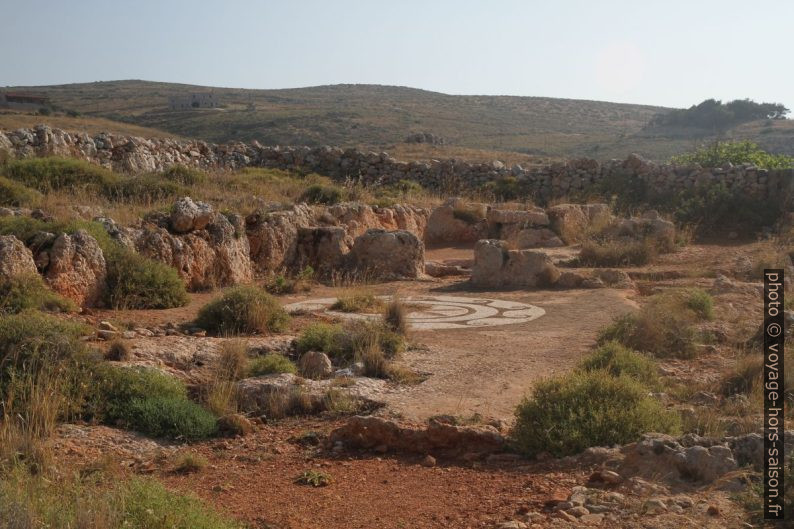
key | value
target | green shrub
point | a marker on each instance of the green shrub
(186, 176)
(722, 153)
(135, 282)
(100, 500)
(357, 300)
(618, 360)
(23, 228)
(270, 364)
(347, 343)
(700, 302)
(30, 292)
(143, 189)
(174, 418)
(242, 310)
(281, 284)
(568, 414)
(53, 173)
(15, 194)
(149, 402)
(321, 194)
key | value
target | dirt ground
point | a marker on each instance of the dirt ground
(483, 370)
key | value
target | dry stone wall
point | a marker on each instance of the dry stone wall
(133, 154)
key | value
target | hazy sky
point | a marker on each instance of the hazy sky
(672, 53)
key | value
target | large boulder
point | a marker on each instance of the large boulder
(76, 268)
(187, 215)
(323, 248)
(496, 266)
(572, 221)
(273, 236)
(314, 364)
(457, 221)
(388, 255)
(15, 259)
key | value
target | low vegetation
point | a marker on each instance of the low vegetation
(712, 114)
(53, 173)
(567, 414)
(617, 252)
(269, 364)
(135, 282)
(149, 402)
(665, 326)
(15, 194)
(357, 300)
(281, 284)
(30, 292)
(243, 310)
(618, 360)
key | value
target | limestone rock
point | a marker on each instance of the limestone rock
(273, 236)
(456, 221)
(314, 364)
(322, 248)
(187, 215)
(495, 266)
(77, 268)
(389, 254)
(15, 259)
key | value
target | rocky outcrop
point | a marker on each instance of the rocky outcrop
(133, 154)
(650, 224)
(457, 221)
(324, 249)
(273, 236)
(385, 254)
(187, 215)
(496, 266)
(572, 221)
(216, 255)
(76, 268)
(15, 259)
(437, 437)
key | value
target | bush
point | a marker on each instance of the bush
(189, 462)
(135, 282)
(746, 376)
(321, 194)
(30, 292)
(618, 360)
(395, 317)
(617, 253)
(118, 351)
(348, 343)
(722, 153)
(17, 195)
(270, 364)
(700, 302)
(358, 300)
(568, 414)
(242, 310)
(143, 189)
(100, 500)
(149, 402)
(53, 173)
(664, 327)
(281, 284)
(186, 176)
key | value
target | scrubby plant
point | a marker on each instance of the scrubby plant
(282, 284)
(663, 327)
(53, 173)
(568, 414)
(15, 194)
(189, 462)
(30, 292)
(395, 316)
(242, 310)
(118, 351)
(135, 282)
(617, 252)
(186, 176)
(700, 302)
(744, 377)
(143, 189)
(150, 402)
(721, 153)
(319, 337)
(346, 343)
(269, 364)
(618, 360)
(321, 194)
(357, 300)
(315, 478)
(232, 359)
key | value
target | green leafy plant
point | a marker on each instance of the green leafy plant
(241, 310)
(315, 478)
(30, 292)
(269, 364)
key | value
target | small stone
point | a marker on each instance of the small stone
(199, 333)
(103, 334)
(610, 477)
(654, 506)
(563, 506)
(513, 524)
(534, 517)
(106, 326)
(713, 510)
(129, 335)
(567, 517)
(578, 511)
(428, 461)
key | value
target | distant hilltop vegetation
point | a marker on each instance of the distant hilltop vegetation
(380, 117)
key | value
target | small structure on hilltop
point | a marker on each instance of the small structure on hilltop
(191, 101)
(23, 101)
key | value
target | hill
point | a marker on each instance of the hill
(381, 117)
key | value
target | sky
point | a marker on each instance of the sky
(671, 53)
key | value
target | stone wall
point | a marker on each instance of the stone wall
(133, 154)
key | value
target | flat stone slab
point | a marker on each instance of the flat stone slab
(440, 312)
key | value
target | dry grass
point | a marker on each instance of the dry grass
(189, 462)
(358, 300)
(118, 351)
(395, 316)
